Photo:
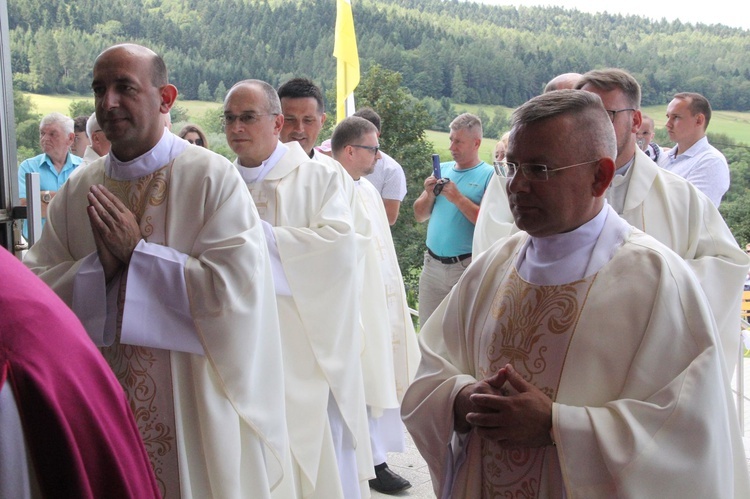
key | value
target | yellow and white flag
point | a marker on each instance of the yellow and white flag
(347, 66)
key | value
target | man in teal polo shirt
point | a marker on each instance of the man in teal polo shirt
(54, 165)
(451, 204)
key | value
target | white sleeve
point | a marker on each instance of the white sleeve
(157, 309)
(280, 282)
(95, 302)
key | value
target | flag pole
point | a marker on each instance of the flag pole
(347, 60)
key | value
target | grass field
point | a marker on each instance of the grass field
(46, 104)
(735, 125)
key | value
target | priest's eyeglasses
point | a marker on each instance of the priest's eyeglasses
(373, 149)
(535, 172)
(613, 113)
(245, 118)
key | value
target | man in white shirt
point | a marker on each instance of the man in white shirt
(693, 158)
(309, 231)
(168, 271)
(544, 372)
(388, 175)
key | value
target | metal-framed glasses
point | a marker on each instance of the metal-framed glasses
(536, 172)
(373, 149)
(245, 118)
(613, 113)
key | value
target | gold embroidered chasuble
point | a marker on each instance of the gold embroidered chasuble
(630, 357)
(531, 329)
(145, 373)
(676, 214)
(226, 426)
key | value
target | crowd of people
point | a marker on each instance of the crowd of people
(578, 305)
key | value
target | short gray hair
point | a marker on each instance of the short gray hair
(65, 122)
(594, 127)
(468, 122)
(92, 125)
(273, 102)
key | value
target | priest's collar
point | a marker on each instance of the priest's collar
(258, 173)
(168, 148)
(624, 168)
(564, 258)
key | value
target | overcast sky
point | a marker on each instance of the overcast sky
(735, 13)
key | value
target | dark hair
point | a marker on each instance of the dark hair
(298, 88)
(350, 130)
(370, 115)
(195, 129)
(79, 124)
(159, 76)
(697, 104)
(611, 79)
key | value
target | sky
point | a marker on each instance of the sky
(735, 13)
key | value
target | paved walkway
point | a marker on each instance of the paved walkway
(411, 466)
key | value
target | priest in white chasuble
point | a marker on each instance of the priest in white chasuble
(658, 202)
(159, 250)
(310, 234)
(577, 358)
(391, 354)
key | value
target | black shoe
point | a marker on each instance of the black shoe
(388, 482)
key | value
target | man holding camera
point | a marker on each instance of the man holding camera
(451, 203)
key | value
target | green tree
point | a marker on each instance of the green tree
(44, 65)
(203, 92)
(220, 92)
(80, 108)
(459, 91)
(404, 120)
(27, 126)
(178, 114)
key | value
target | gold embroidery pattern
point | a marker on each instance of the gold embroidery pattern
(532, 329)
(145, 373)
(134, 367)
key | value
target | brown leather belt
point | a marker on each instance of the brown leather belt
(448, 259)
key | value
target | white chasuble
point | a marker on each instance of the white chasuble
(676, 214)
(630, 357)
(228, 428)
(402, 335)
(310, 211)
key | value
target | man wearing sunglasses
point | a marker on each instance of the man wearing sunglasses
(577, 358)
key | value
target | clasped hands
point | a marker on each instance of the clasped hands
(115, 228)
(514, 420)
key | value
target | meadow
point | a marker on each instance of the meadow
(735, 125)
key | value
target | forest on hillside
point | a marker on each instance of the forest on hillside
(444, 49)
(417, 58)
